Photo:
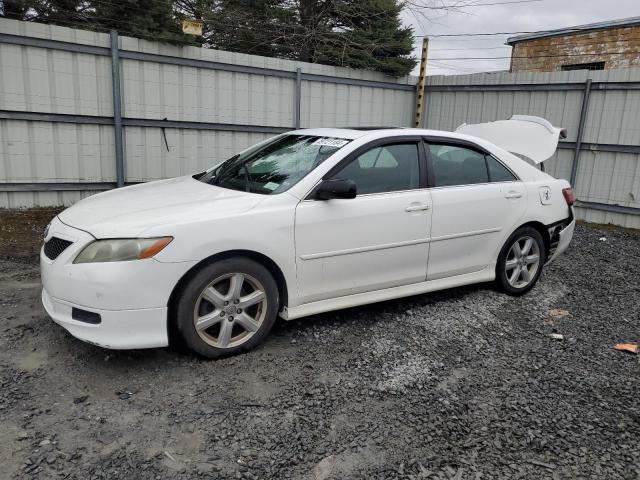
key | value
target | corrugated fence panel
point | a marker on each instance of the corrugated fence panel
(41, 199)
(328, 105)
(598, 216)
(190, 151)
(157, 91)
(613, 115)
(448, 110)
(613, 118)
(233, 100)
(39, 80)
(560, 164)
(55, 152)
(607, 177)
(227, 92)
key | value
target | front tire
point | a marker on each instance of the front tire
(227, 307)
(520, 261)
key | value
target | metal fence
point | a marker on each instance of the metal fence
(600, 109)
(83, 111)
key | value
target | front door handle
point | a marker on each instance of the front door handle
(417, 208)
(513, 195)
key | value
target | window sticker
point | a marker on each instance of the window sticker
(331, 142)
(271, 186)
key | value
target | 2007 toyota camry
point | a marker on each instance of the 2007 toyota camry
(307, 222)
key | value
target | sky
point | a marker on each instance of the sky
(528, 15)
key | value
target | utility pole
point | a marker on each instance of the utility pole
(421, 83)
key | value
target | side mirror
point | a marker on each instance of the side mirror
(336, 188)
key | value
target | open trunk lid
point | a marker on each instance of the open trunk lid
(532, 137)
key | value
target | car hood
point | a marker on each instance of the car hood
(153, 208)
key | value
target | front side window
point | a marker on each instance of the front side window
(274, 166)
(388, 168)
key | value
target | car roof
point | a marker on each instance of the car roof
(374, 132)
(346, 133)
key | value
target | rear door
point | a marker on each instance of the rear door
(378, 239)
(477, 202)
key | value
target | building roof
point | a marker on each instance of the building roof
(623, 22)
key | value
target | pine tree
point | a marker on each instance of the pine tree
(149, 19)
(368, 34)
(70, 13)
(245, 26)
(349, 33)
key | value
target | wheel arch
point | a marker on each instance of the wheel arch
(265, 261)
(542, 230)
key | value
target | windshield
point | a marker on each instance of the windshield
(274, 166)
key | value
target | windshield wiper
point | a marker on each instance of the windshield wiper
(220, 170)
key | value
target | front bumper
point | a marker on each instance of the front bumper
(130, 297)
(118, 329)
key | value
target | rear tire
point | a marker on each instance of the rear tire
(520, 261)
(227, 307)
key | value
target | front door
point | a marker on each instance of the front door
(379, 239)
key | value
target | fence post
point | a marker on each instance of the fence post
(298, 98)
(417, 121)
(583, 118)
(117, 107)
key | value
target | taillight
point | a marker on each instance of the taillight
(568, 195)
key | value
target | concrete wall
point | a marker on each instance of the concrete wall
(617, 47)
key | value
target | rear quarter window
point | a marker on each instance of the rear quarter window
(498, 172)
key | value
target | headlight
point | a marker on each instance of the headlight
(122, 249)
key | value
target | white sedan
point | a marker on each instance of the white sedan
(306, 222)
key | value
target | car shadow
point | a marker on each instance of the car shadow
(373, 311)
(121, 360)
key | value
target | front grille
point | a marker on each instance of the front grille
(55, 246)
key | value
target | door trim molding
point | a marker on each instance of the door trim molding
(385, 246)
(465, 234)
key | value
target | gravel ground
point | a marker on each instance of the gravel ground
(462, 384)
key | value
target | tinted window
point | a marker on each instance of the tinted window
(389, 168)
(454, 165)
(498, 172)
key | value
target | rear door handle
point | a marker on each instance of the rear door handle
(513, 195)
(417, 208)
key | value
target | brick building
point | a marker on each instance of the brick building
(597, 46)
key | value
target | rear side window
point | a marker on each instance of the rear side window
(453, 165)
(389, 168)
(498, 172)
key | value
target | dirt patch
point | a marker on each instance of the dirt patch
(21, 231)
(463, 384)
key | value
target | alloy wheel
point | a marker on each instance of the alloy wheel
(523, 262)
(230, 310)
